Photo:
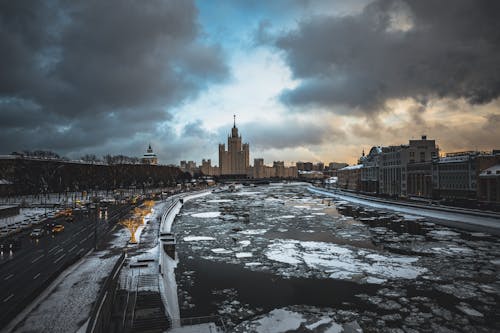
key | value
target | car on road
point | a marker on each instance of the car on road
(57, 228)
(36, 233)
(69, 218)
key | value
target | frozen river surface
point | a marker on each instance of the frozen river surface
(278, 258)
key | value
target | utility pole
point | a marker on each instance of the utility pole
(95, 225)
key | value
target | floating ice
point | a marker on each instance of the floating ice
(244, 243)
(322, 321)
(302, 207)
(254, 231)
(198, 238)
(341, 262)
(220, 200)
(280, 320)
(443, 233)
(206, 214)
(287, 217)
(253, 264)
(244, 254)
(221, 250)
(465, 308)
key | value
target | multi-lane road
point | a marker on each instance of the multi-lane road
(27, 271)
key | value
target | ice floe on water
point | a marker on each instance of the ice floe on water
(340, 262)
(443, 233)
(387, 271)
(244, 243)
(244, 254)
(206, 214)
(198, 238)
(254, 231)
(220, 200)
(221, 250)
(297, 319)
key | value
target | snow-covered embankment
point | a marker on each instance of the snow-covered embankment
(167, 264)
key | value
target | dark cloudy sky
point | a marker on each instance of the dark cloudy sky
(308, 80)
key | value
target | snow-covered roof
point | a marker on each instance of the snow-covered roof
(352, 167)
(454, 159)
(493, 171)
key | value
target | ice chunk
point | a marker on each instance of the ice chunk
(221, 250)
(198, 238)
(206, 214)
(244, 254)
(465, 308)
(322, 321)
(253, 264)
(280, 320)
(335, 328)
(254, 231)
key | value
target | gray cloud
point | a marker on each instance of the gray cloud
(396, 49)
(289, 133)
(84, 74)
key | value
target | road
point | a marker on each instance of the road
(27, 272)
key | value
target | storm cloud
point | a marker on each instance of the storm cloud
(84, 73)
(395, 49)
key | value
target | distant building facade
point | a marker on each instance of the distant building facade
(370, 175)
(149, 157)
(395, 160)
(236, 159)
(349, 177)
(489, 185)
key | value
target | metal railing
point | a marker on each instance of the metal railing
(217, 320)
(97, 322)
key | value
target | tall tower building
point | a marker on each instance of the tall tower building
(236, 160)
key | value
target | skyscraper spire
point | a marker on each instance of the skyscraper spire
(234, 124)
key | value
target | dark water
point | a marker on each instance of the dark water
(460, 290)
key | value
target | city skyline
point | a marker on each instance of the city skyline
(308, 81)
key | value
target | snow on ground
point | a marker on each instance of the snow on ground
(36, 214)
(70, 303)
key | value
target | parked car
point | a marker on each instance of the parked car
(36, 233)
(57, 228)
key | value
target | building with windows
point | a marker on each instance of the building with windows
(236, 159)
(349, 178)
(395, 160)
(234, 162)
(149, 157)
(370, 171)
(489, 185)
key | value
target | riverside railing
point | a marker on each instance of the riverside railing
(101, 311)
